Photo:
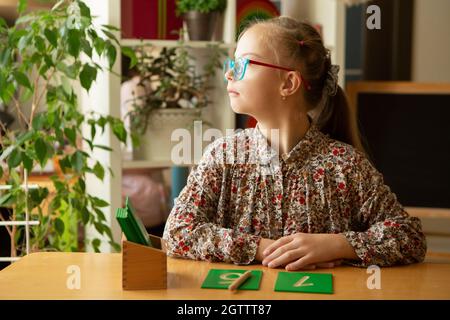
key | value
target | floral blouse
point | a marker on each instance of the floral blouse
(242, 191)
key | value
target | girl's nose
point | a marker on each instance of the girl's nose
(229, 75)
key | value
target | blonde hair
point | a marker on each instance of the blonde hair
(300, 43)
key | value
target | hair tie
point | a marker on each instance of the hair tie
(331, 82)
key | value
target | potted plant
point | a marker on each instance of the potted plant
(176, 94)
(43, 55)
(201, 17)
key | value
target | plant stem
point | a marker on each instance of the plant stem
(35, 100)
(42, 93)
(8, 228)
(22, 117)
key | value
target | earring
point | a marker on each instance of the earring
(283, 97)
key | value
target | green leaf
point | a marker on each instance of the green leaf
(86, 47)
(77, 161)
(107, 230)
(99, 202)
(126, 51)
(100, 214)
(14, 158)
(110, 27)
(7, 92)
(96, 244)
(41, 150)
(37, 196)
(17, 35)
(99, 45)
(85, 215)
(111, 53)
(24, 137)
(27, 162)
(102, 147)
(1, 172)
(3, 23)
(5, 56)
(111, 36)
(82, 185)
(119, 131)
(22, 79)
(89, 142)
(39, 43)
(21, 6)
(39, 121)
(69, 71)
(43, 70)
(84, 10)
(66, 85)
(59, 186)
(115, 246)
(93, 131)
(74, 43)
(99, 227)
(87, 76)
(4, 199)
(48, 61)
(59, 226)
(23, 42)
(64, 164)
(71, 134)
(92, 34)
(52, 37)
(99, 171)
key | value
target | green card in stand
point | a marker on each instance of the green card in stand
(131, 225)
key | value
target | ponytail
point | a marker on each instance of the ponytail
(337, 120)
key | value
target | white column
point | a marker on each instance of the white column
(330, 14)
(229, 29)
(104, 98)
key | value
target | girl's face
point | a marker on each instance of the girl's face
(258, 93)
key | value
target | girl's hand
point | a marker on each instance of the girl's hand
(307, 251)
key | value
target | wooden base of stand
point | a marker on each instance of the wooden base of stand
(143, 267)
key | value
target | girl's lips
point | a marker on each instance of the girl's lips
(232, 92)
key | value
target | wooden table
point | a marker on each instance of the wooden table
(44, 276)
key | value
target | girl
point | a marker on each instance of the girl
(311, 199)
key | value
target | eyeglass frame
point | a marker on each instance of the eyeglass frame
(250, 61)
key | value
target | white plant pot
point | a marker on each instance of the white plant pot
(156, 143)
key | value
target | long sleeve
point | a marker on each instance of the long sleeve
(192, 229)
(385, 234)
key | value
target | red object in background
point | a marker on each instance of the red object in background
(149, 19)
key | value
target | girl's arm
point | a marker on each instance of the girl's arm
(191, 231)
(384, 234)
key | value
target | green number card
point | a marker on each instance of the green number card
(304, 282)
(221, 279)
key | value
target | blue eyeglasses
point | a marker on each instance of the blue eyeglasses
(239, 66)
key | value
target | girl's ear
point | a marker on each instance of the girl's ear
(291, 83)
